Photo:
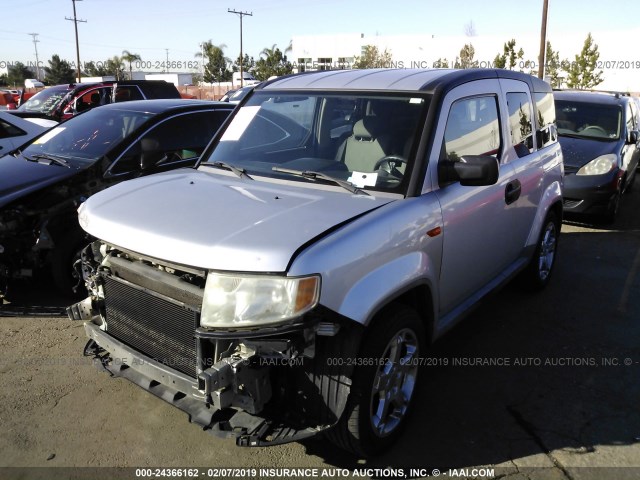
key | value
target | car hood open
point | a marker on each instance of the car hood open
(18, 177)
(577, 152)
(214, 221)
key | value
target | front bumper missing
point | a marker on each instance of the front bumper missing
(183, 392)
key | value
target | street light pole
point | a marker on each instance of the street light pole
(240, 14)
(75, 23)
(543, 40)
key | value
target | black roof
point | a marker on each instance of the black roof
(603, 98)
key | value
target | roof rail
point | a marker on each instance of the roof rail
(615, 93)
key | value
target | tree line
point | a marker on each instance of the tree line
(217, 67)
(580, 73)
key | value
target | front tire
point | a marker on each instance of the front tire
(384, 383)
(612, 209)
(65, 277)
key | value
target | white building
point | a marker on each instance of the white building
(618, 60)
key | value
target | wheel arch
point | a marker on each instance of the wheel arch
(419, 297)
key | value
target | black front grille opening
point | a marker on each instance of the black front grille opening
(154, 326)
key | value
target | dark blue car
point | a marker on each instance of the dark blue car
(43, 182)
(598, 133)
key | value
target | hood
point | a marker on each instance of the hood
(213, 221)
(19, 177)
(577, 152)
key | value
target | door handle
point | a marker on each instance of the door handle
(512, 191)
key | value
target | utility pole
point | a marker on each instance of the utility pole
(167, 64)
(543, 40)
(202, 53)
(240, 14)
(35, 45)
(75, 23)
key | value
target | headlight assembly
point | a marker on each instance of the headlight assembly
(600, 165)
(240, 301)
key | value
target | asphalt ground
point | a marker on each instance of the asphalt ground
(539, 386)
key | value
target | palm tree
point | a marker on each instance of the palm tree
(214, 62)
(129, 57)
(269, 52)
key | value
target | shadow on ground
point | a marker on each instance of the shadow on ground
(564, 385)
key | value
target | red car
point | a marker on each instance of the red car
(62, 102)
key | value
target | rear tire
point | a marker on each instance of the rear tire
(384, 383)
(538, 273)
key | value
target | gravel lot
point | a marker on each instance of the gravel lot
(559, 401)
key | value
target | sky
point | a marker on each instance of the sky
(150, 27)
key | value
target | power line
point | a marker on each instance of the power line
(75, 24)
(241, 14)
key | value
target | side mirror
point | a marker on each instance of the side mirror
(632, 137)
(470, 171)
(151, 153)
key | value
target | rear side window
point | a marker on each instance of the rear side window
(125, 93)
(520, 123)
(179, 138)
(546, 119)
(473, 128)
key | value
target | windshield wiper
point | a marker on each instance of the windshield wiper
(585, 137)
(51, 158)
(241, 172)
(310, 175)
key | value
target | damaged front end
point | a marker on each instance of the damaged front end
(22, 242)
(38, 235)
(261, 385)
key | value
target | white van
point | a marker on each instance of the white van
(247, 77)
(33, 83)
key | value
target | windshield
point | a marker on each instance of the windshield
(88, 137)
(588, 120)
(44, 101)
(366, 140)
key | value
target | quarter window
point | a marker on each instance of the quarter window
(546, 116)
(520, 123)
(7, 130)
(473, 128)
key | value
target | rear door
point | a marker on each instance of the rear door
(523, 156)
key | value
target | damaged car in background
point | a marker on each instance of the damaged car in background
(42, 183)
(336, 225)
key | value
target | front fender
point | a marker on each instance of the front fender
(377, 257)
(375, 290)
